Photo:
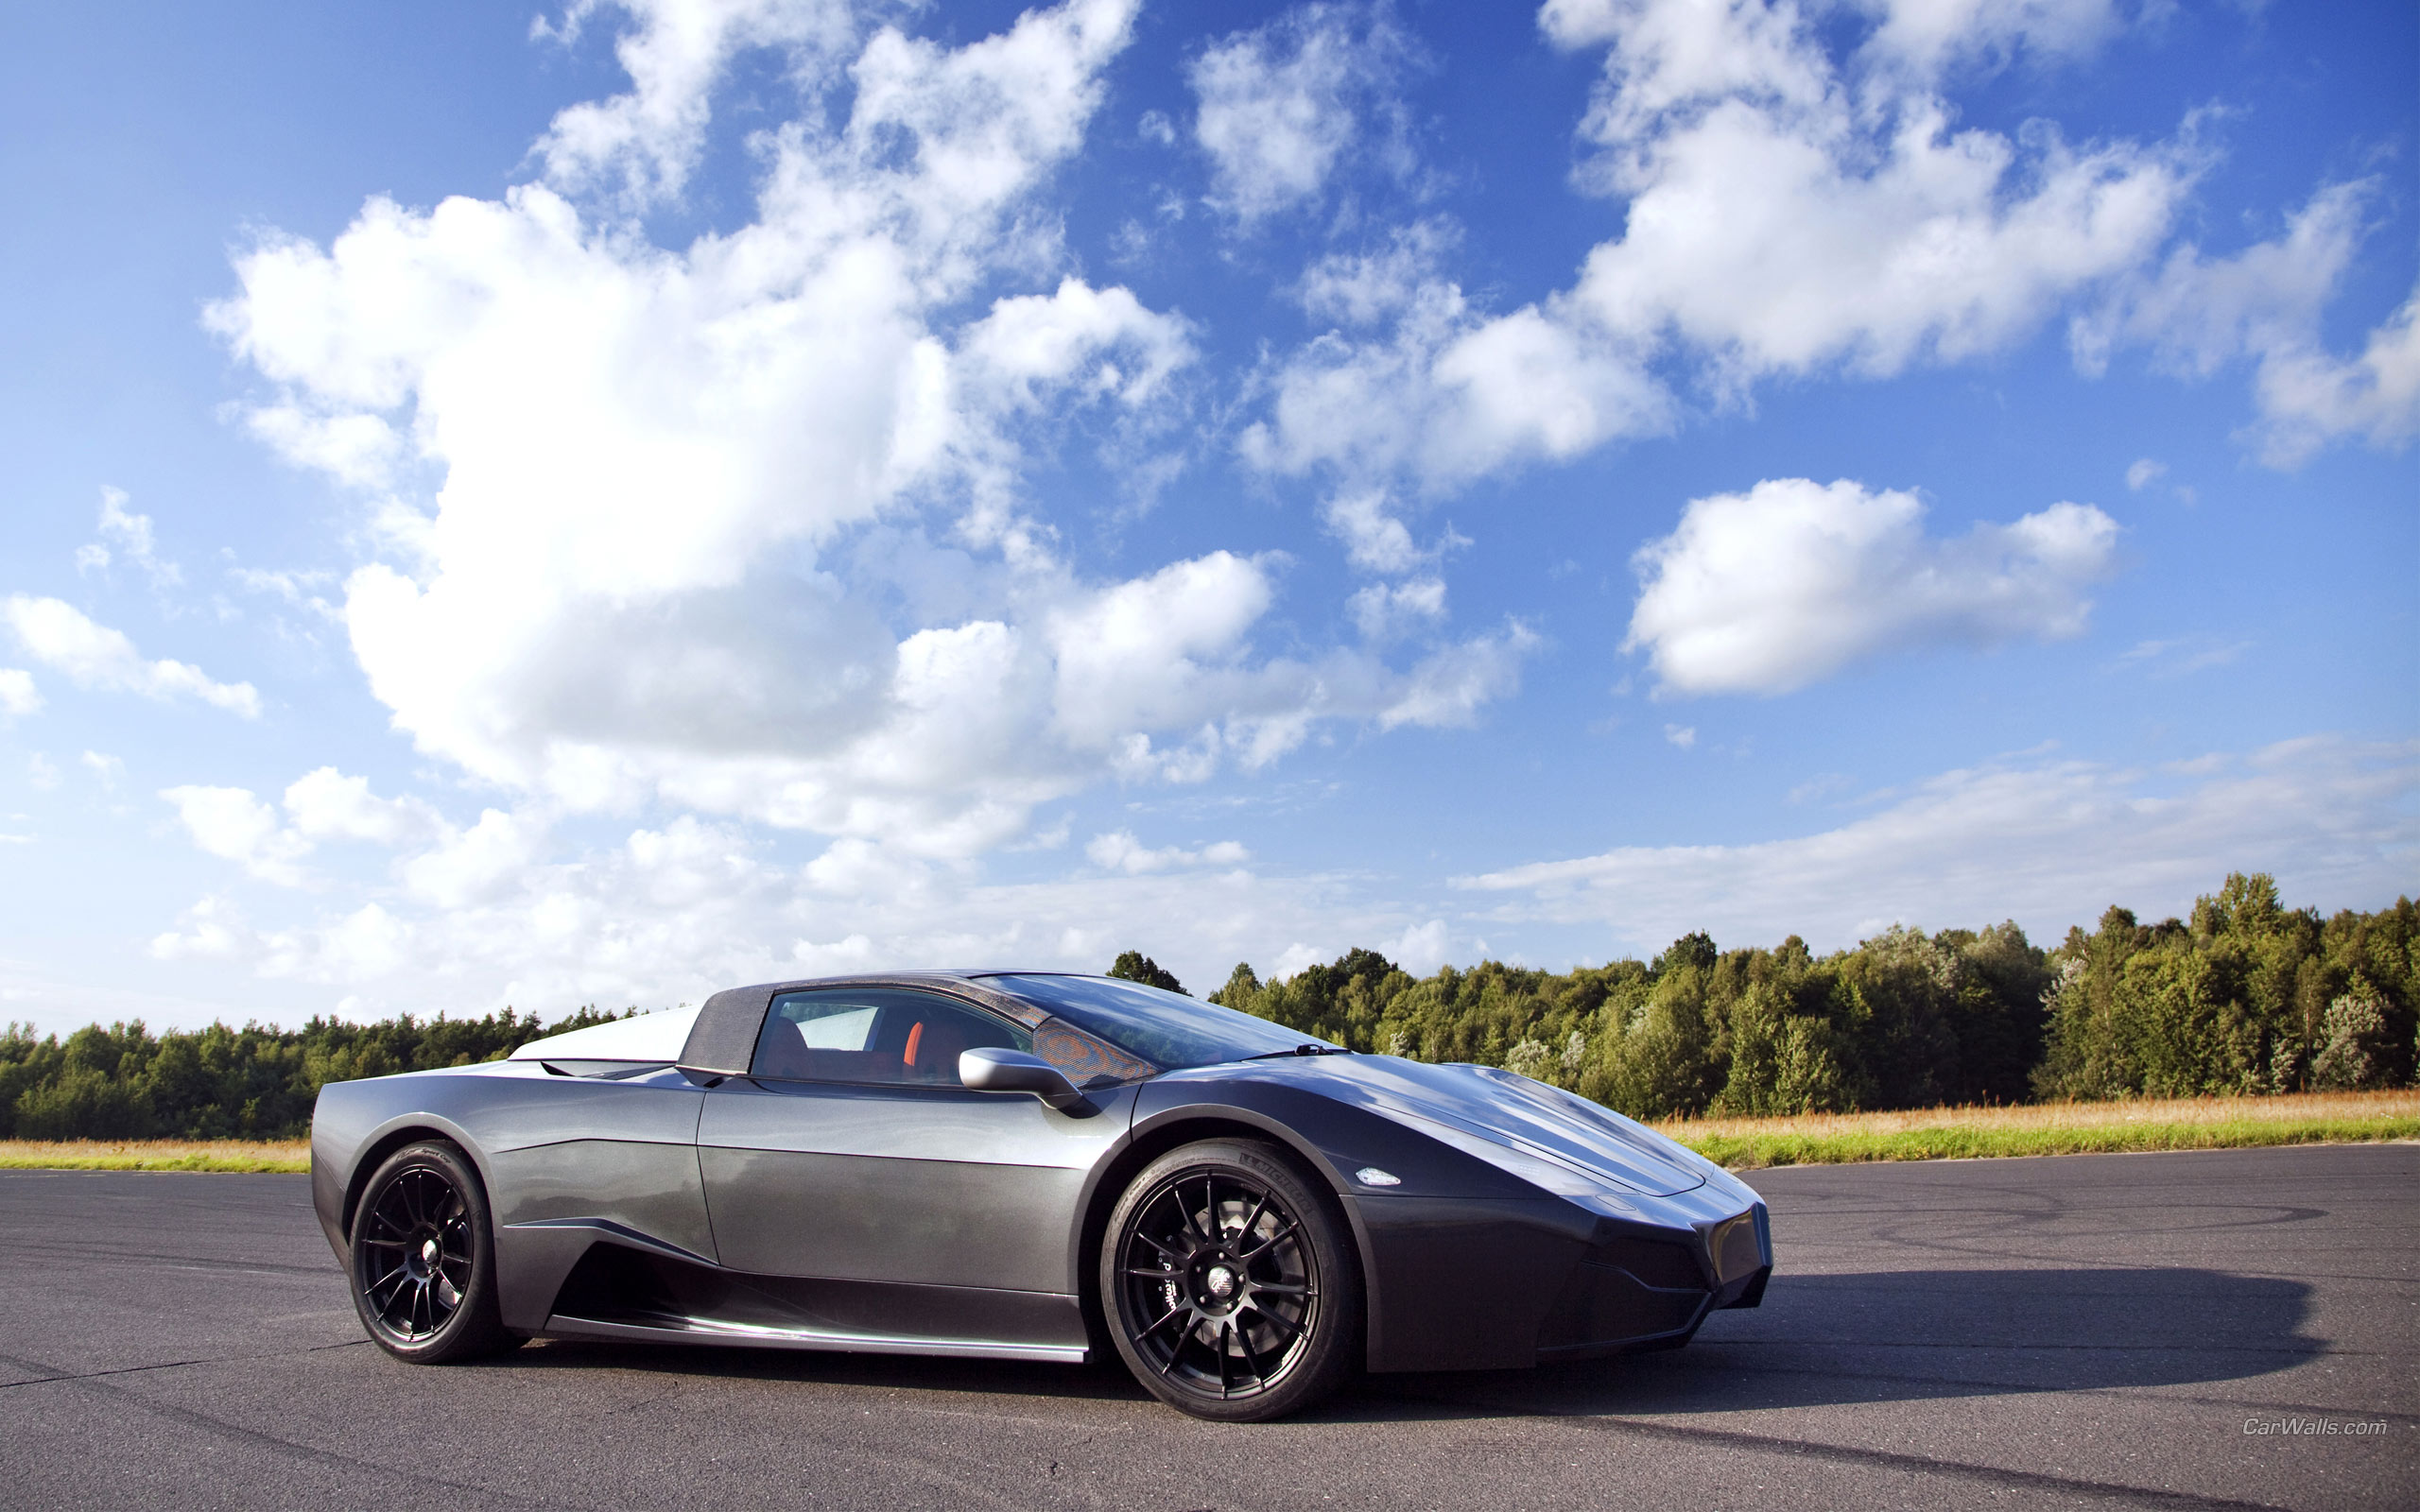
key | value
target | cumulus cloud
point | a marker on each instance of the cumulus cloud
(324, 806)
(1118, 851)
(1787, 211)
(327, 805)
(1386, 612)
(232, 823)
(2197, 314)
(637, 578)
(1769, 590)
(1445, 394)
(2051, 843)
(1786, 214)
(60, 636)
(1282, 106)
(18, 695)
(644, 143)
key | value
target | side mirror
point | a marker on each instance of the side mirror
(1012, 1071)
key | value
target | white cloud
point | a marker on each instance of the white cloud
(1385, 612)
(1784, 214)
(490, 859)
(1374, 539)
(1447, 395)
(42, 772)
(1450, 685)
(1783, 218)
(644, 143)
(1297, 959)
(631, 582)
(1684, 736)
(675, 912)
(106, 769)
(230, 822)
(2309, 398)
(2198, 313)
(1421, 949)
(1356, 289)
(2051, 844)
(93, 655)
(352, 447)
(1118, 851)
(2180, 657)
(327, 805)
(1768, 591)
(133, 537)
(213, 929)
(1283, 105)
(2143, 473)
(1926, 38)
(18, 695)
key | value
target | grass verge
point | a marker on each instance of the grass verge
(155, 1155)
(2054, 1128)
(1742, 1143)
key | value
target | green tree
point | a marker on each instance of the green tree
(1133, 965)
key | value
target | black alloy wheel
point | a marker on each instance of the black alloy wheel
(424, 1258)
(1230, 1287)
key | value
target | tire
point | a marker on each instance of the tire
(424, 1259)
(1229, 1284)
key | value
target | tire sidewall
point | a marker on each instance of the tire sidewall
(475, 1328)
(1327, 1361)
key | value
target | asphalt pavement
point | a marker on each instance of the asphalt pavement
(2167, 1330)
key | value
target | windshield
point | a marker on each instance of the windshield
(1169, 1029)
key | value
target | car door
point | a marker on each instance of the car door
(852, 1156)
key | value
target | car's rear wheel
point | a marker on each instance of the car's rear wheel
(1228, 1283)
(424, 1258)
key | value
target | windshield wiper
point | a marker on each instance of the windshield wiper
(1301, 1050)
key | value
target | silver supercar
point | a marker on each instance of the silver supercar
(1026, 1166)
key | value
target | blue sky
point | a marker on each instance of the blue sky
(597, 507)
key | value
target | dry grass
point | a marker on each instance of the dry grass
(2054, 1128)
(156, 1155)
(1746, 1143)
(2291, 1108)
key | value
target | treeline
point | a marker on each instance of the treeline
(2245, 997)
(253, 1083)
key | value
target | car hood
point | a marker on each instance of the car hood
(1512, 1111)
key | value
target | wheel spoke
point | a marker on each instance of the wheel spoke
(1259, 1206)
(1172, 1254)
(1285, 1288)
(1243, 1338)
(1165, 1318)
(1283, 1230)
(1220, 1345)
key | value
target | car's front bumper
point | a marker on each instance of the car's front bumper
(1468, 1284)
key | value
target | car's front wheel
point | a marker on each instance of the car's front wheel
(1229, 1284)
(424, 1258)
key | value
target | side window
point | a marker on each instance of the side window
(878, 1035)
